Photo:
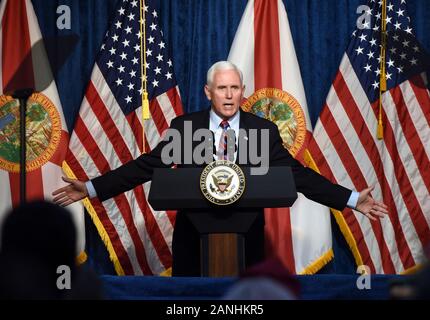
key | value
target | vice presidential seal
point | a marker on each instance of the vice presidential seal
(222, 182)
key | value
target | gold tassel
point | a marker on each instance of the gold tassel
(145, 106)
(383, 75)
(145, 103)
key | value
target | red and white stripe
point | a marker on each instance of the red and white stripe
(19, 32)
(104, 139)
(263, 49)
(346, 149)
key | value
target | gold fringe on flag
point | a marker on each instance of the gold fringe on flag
(101, 230)
(81, 258)
(340, 221)
(318, 264)
(382, 76)
(166, 273)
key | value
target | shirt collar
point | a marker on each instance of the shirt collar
(215, 120)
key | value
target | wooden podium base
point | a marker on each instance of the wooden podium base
(222, 254)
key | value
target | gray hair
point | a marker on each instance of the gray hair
(222, 65)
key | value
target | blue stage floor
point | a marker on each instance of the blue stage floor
(316, 287)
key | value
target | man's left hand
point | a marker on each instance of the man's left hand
(369, 206)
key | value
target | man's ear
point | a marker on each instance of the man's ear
(207, 92)
(243, 92)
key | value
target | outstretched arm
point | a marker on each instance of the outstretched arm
(369, 206)
(75, 191)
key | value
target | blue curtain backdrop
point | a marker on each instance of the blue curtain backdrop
(198, 33)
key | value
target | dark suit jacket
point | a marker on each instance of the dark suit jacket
(185, 243)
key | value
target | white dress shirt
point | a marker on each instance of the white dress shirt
(214, 126)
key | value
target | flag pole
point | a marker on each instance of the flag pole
(382, 76)
(145, 102)
(22, 95)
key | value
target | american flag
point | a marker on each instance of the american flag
(109, 132)
(347, 150)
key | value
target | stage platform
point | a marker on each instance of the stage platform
(315, 287)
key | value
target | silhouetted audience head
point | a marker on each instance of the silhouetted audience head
(36, 239)
(268, 280)
(40, 229)
(413, 287)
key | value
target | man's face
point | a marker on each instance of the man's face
(225, 93)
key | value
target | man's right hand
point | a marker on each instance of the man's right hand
(75, 191)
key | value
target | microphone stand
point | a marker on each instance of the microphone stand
(22, 96)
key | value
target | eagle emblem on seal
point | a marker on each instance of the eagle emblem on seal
(222, 181)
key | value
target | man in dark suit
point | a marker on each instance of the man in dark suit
(224, 89)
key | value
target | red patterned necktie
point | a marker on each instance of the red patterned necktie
(222, 147)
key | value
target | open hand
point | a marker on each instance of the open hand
(73, 192)
(369, 206)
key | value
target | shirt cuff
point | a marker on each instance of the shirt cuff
(353, 199)
(90, 188)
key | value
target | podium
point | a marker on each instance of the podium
(221, 228)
